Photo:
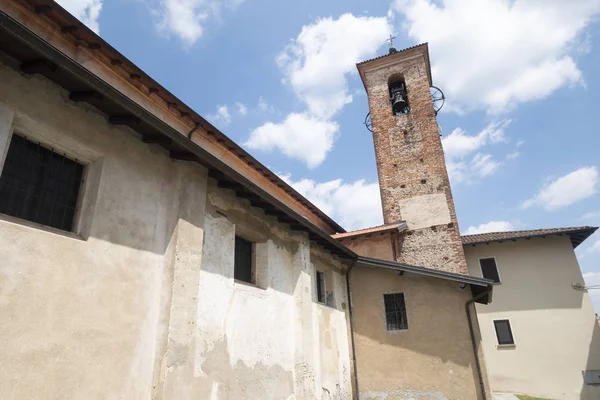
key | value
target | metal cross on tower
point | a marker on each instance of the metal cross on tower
(391, 40)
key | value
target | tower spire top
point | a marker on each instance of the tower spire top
(391, 41)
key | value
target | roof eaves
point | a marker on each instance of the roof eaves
(54, 10)
(477, 285)
(434, 273)
(11, 27)
(576, 234)
(394, 227)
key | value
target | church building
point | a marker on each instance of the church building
(145, 255)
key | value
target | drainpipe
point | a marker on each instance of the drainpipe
(473, 342)
(352, 327)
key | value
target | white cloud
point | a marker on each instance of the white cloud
(221, 118)
(459, 147)
(459, 144)
(354, 205)
(484, 164)
(495, 54)
(594, 248)
(263, 106)
(566, 190)
(87, 11)
(590, 215)
(315, 66)
(317, 61)
(299, 136)
(492, 226)
(186, 18)
(242, 109)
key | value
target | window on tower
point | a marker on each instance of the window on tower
(398, 97)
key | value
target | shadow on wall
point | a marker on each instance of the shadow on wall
(592, 392)
(435, 353)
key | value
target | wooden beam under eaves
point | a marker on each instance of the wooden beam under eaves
(85, 95)
(38, 67)
(259, 204)
(229, 185)
(275, 213)
(155, 139)
(124, 119)
(286, 220)
(182, 156)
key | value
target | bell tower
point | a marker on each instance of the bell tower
(412, 172)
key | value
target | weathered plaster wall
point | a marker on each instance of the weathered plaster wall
(432, 359)
(82, 313)
(554, 326)
(140, 302)
(270, 339)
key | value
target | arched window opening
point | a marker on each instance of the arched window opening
(398, 97)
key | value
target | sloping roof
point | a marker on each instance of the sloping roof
(397, 226)
(478, 285)
(70, 29)
(40, 37)
(577, 235)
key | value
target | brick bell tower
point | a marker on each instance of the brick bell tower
(412, 172)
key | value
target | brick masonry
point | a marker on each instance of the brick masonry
(410, 159)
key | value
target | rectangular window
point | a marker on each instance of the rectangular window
(489, 270)
(321, 287)
(504, 332)
(39, 185)
(243, 260)
(395, 311)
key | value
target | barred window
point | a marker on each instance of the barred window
(395, 311)
(321, 287)
(39, 185)
(242, 268)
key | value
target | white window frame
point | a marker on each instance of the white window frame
(512, 331)
(497, 268)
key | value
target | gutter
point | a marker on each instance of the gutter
(473, 342)
(348, 294)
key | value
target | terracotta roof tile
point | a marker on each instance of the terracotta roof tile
(577, 234)
(397, 226)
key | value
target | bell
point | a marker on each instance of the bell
(398, 98)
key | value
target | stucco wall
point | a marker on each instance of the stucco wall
(271, 339)
(433, 359)
(139, 302)
(554, 326)
(80, 310)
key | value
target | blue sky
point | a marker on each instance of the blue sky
(521, 77)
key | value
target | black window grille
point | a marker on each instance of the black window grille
(39, 185)
(489, 269)
(242, 269)
(395, 311)
(504, 331)
(321, 287)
